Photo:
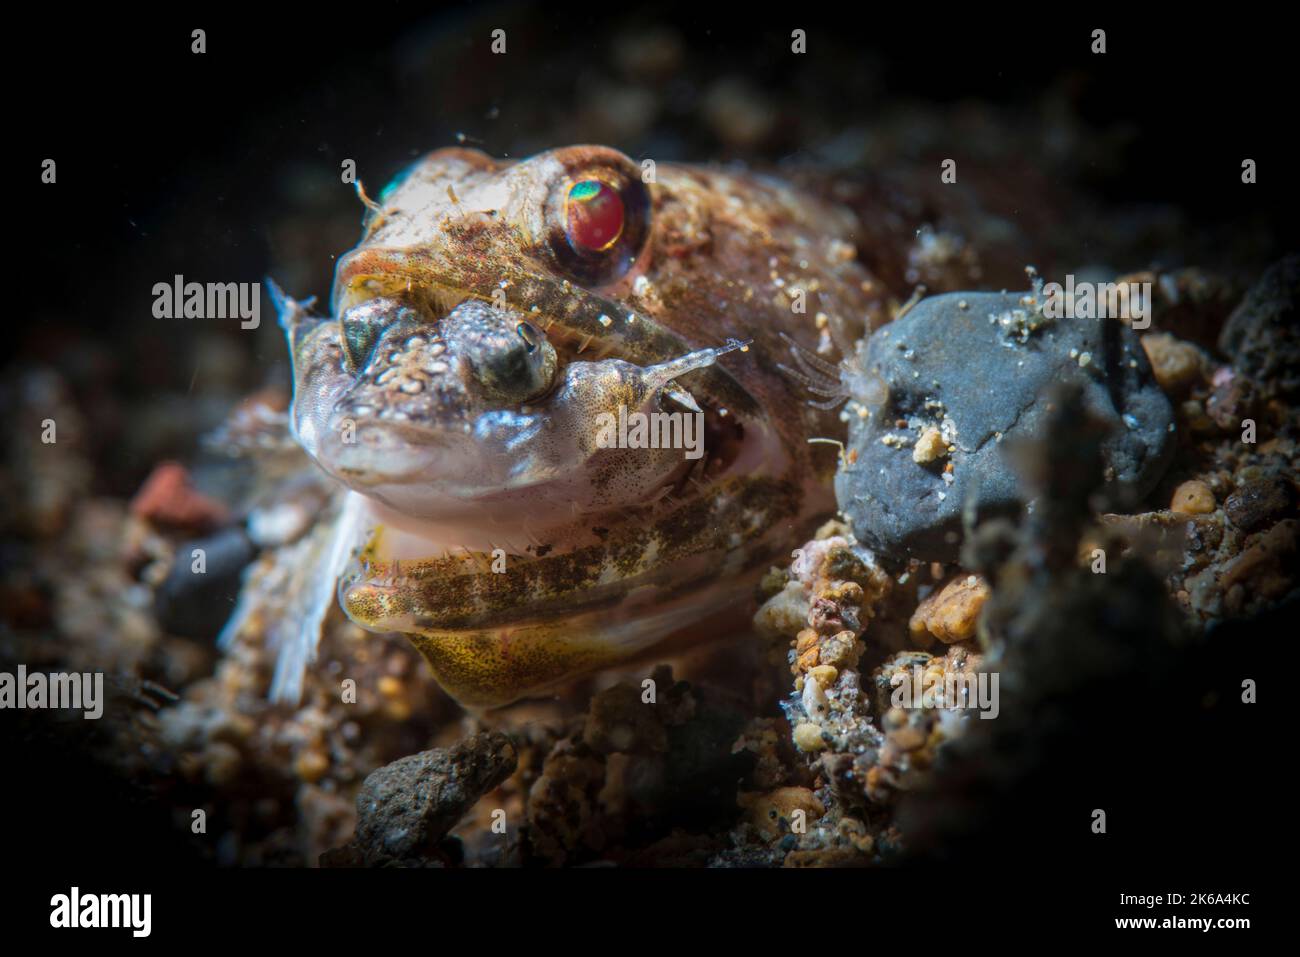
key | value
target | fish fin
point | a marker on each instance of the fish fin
(289, 593)
(297, 635)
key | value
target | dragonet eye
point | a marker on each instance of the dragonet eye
(593, 216)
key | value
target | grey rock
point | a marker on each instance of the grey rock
(977, 365)
(1263, 336)
(405, 808)
(1256, 504)
(195, 604)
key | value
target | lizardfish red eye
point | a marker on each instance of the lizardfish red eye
(593, 216)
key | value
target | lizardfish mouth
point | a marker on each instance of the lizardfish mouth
(592, 324)
(428, 305)
(430, 405)
(579, 323)
(457, 404)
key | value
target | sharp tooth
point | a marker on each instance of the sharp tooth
(675, 392)
(440, 300)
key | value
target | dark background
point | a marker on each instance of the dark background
(224, 167)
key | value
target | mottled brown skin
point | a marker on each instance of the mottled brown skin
(712, 256)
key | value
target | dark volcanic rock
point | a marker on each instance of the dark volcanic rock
(976, 366)
(195, 603)
(404, 809)
(1263, 336)
(1256, 504)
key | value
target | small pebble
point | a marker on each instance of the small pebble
(1176, 364)
(929, 447)
(952, 612)
(1256, 504)
(1192, 498)
(808, 737)
(311, 765)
